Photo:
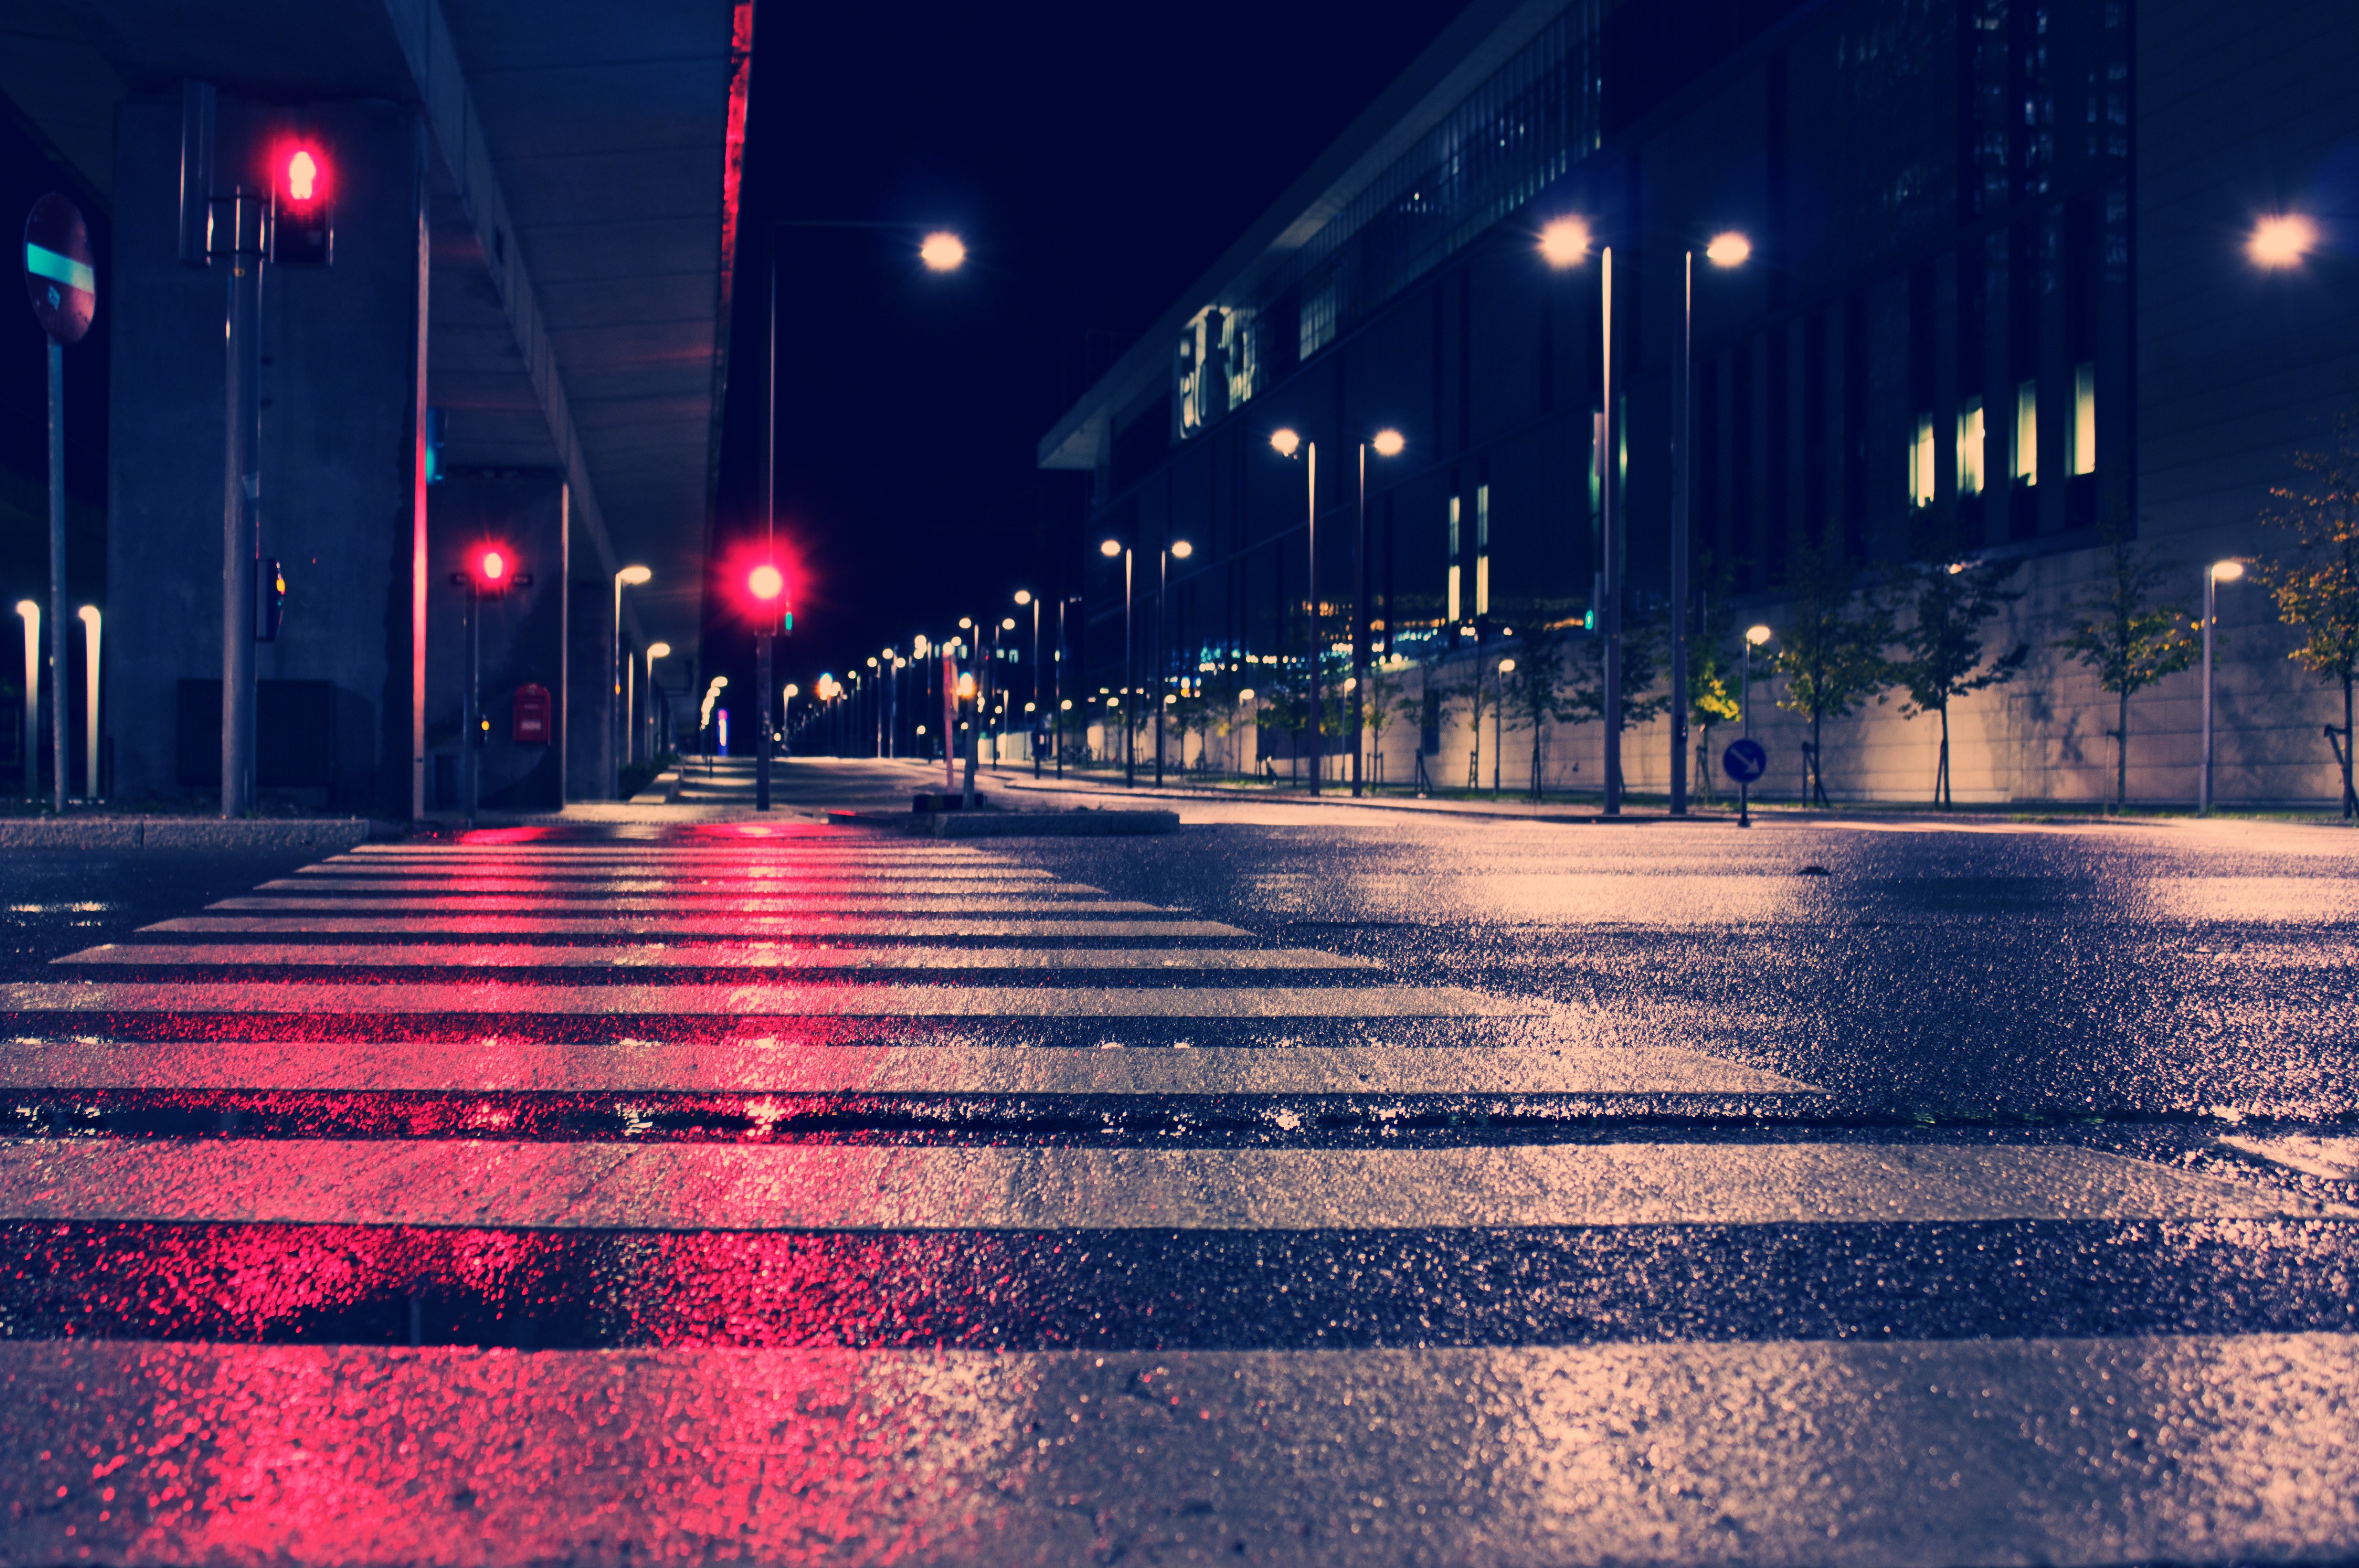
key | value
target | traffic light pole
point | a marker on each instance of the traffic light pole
(762, 722)
(240, 500)
(471, 725)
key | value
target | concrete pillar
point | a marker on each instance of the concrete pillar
(524, 632)
(340, 362)
(590, 681)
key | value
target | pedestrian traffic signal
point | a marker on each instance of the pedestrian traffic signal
(491, 572)
(303, 232)
(765, 588)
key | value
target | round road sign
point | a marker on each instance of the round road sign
(1746, 760)
(59, 272)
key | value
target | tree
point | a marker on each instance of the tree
(1385, 699)
(1533, 691)
(1942, 645)
(2317, 586)
(1477, 691)
(1830, 651)
(1642, 651)
(1711, 698)
(2130, 641)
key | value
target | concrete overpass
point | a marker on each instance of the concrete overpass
(535, 233)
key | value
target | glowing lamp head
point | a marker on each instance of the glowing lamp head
(1023, 596)
(1246, 695)
(1285, 442)
(1388, 443)
(1181, 549)
(766, 583)
(631, 577)
(966, 622)
(303, 175)
(2282, 241)
(29, 610)
(1506, 666)
(1731, 249)
(2227, 571)
(1110, 550)
(658, 650)
(792, 691)
(1565, 243)
(966, 687)
(491, 567)
(872, 662)
(1756, 635)
(1007, 623)
(942, 251)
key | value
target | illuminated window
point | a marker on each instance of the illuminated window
(2085, 418)
(1238, 341)
(1454, 559)
(1318, 321)
(1482, 549)
(1920, 463)
(1970, 447)
(2027, 432)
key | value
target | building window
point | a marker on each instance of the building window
(1482, 549)
(1970, 447)
(1454, 605)
(1238, 343)
(2027, 432)
(1920, 463)
(2085, 418)
(1318, 319)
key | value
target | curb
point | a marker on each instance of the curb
(191, 833)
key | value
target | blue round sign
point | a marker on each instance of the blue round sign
(1746, 760)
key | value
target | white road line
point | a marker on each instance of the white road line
(767, 1068)
(716, 1186)
(1778, 1452)
(836, 998)
(816, 903)
(772, 926)
(435, 876)
(711, 955)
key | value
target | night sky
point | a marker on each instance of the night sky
(1096, 158)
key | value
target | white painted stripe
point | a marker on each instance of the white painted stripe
(2335, 1159)
(708, 955)
(682, 926)
(838, 998)
(379, 876)
(708, 887)
(1779, 1453)
(776, 851)
(772, 1066)
(674, 1186)
(815, 904)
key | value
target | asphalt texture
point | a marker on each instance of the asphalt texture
(1315, 1183)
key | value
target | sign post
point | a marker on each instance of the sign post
(1744, 761)
(62, 281)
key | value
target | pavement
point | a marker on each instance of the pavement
(1315, 1183)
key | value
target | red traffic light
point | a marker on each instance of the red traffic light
(493, 567)
(766, 583)
(304, 176)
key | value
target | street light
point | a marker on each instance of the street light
(1754, 637)
(1724, 250)
(1183, 549)
(1111, 549)
(2215, 575)
(766, 586)
(1286, 443)
(2282, 241)
(1387, 443)
(618, 721)
(942, 251)
(89, 616)
(31, 611)
(654, 651)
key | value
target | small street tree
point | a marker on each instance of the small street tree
(1941, 648)
(1476, 690)
(1712, 698)
(1534, 688)
(1830, 651)
(1642, 666)
(2121, 631)
(1386, 700)
(2316, 584)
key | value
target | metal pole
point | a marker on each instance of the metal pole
(762, 720)
(240, 493)
(57, 655)
(1682, 438)
(1162, 663)
(1609, 483)
(1129, 680)
(1056, 690)
(471, 742)
(1310, 550)
(90, 618)
(32, 699)
(614, 719)
(1358, 694)
(1040, 713)
(1744, 786)
(2204, 793)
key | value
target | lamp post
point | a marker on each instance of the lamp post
(617, 725)
(1024, 597)
(1057, 684)
(1111, 549)
(787, 716)
(1286, 443)
(1754, 637)
(89, 615)
(1183, 549)
(30, 611)
(1726, 250)
(766, 587)
(2215, 575)
(1387, 444)
(654, 651)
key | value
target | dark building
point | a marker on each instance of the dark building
(2002, 300)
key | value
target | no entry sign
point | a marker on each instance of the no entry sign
(59, 274)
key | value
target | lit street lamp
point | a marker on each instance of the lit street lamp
(2215, 575)
(1564, 244)
(89, 614)
(654, 651)
(1387, 444)
(1183, 549)
(1111, 549)
(31, 611)
(1754, 637)
(1726, 250)
(1286, 443)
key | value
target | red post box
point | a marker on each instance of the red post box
(530, 725)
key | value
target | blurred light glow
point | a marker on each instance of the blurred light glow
(765, 582)
(492, 565)
(1111, 549)
(1730, 249)
(1246, 695)
(631, 577)
(658, 650)
(1565, 243)
(2282, 241)
(302, 176)
(942, 251)
(1023, 596)
(1388, 443)
(1285, 442)
(2227, 570)
(1182, 548)
(1756, 635)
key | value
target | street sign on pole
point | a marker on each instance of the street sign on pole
(1744, 761)
(61, 278)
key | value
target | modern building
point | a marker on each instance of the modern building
(2007, 280)
(388, 284)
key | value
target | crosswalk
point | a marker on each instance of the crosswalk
(811, 1193)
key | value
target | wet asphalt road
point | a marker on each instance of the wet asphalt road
(1309, 1186)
